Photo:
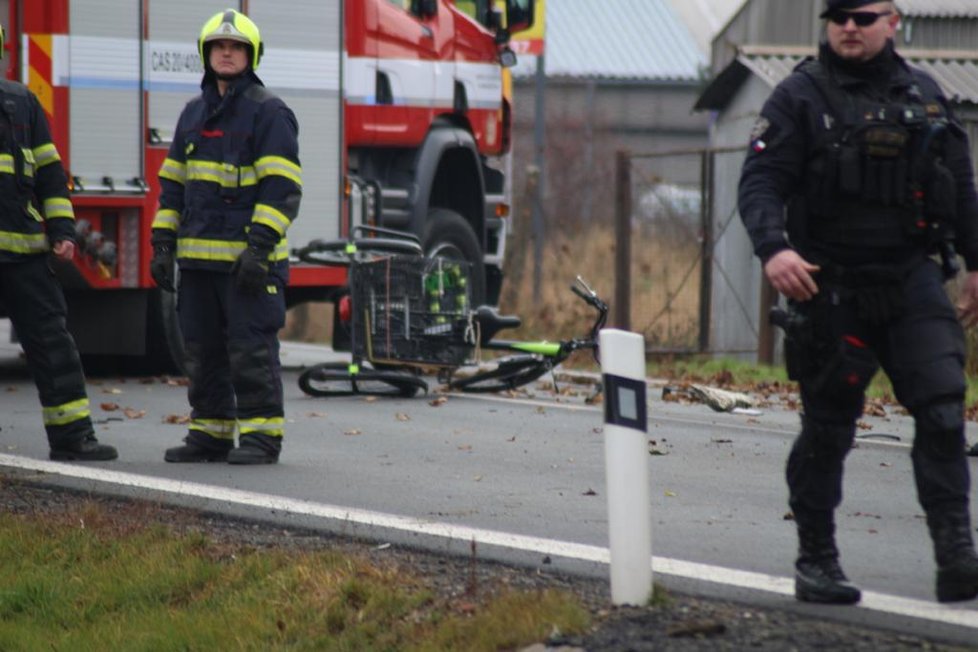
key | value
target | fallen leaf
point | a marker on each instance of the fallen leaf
(590, 492)
(353, 431)
(670, 494)
(132, 413)
(113, 390)
(441, 400)
(400, 416)
(109, 407)
(316, 414)
(177, 418)
(465, 447)
(369, 399)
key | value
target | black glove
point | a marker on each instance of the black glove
(161, 267)
(250, 270)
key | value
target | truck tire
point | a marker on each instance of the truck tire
(447, 235)
(165, 351)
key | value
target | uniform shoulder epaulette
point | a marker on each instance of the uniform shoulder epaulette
(13, 87)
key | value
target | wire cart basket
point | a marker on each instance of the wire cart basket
(411, 309)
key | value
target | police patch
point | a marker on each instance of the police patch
(760, 128)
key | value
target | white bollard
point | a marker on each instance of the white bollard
(626, 452)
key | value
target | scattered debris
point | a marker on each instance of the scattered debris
(721, 400)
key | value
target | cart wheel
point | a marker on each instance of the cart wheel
(327, 379)
(388, 383)
(334, 379)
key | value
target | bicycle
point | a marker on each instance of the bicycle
(409, 315)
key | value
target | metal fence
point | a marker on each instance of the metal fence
(684, 273)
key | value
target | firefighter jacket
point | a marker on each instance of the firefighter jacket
(232, 177)
(34, 206)
(858, 163)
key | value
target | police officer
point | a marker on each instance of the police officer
(857, 173)
(230, 188)
(36, 216)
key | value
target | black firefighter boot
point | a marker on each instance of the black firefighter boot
(957, 562)
(818, 576)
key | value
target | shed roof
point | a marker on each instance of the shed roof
(955, 71)
(617, 39)
(939, 8)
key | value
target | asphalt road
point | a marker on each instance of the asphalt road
(524, 478)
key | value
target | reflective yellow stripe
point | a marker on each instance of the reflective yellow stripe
(29, 163)
(271, 217)
(58, 207)
(223, 174)
(222, 250)
(59, 415)
(166, 218)
(173, 170)
(271, 427)
(33, 212)
(45, 155)
(23, 243)
(269, 165)
(216, 428)
(202, 249)
(6, 164)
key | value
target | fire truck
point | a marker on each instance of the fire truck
(404, 122)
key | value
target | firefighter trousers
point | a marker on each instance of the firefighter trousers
(232, 347)
(36, 306)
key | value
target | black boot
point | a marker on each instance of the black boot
(86, 449)
(256, 449)
(818, 576)
(957, 562)
(195, 450)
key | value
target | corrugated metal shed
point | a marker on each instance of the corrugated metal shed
(617, 39)
(939, 8)
(956, 72)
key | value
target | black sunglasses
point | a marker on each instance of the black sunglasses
(861, 18)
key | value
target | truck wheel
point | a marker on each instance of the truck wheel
(447, 235)
(165, 351)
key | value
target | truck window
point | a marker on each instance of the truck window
(478, 10)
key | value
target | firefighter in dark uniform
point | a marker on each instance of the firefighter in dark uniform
(230, 188)
(856, 178)
(36, 217)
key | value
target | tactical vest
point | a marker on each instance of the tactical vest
(875, 175)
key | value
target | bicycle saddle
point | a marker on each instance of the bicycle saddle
(491, 322)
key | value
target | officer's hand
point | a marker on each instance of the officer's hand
(791, 275)
(968, 300)
(250, 271)
(64, 249)
(161, 267)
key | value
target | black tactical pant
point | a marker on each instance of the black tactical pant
(921, 349)
(232, 348)
(36, 307)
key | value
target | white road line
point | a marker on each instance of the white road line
(880, 602)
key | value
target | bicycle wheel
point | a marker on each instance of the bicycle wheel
(327, 379)
(510, 373)
(377, 382)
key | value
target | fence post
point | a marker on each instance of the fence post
(627, 466)
(706, 250)
(623, 236)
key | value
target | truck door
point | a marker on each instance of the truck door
(409, 83)
(173, 67)
(106, 120)
(302, 62)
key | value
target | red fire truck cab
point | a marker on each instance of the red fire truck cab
(404, 122)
